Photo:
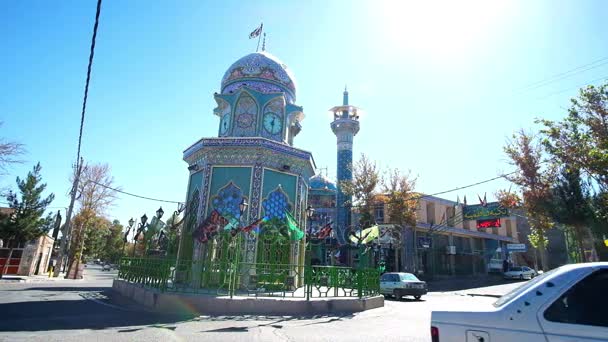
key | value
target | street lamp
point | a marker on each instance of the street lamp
(142, 226)
(243, 206)
(124, 240)
(310, 211)
(159, 213)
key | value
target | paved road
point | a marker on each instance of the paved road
(88, 310)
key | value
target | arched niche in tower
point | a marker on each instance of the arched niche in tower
(223, 110)
(245, 116)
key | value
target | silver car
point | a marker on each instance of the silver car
(520, 272)
(402, 284)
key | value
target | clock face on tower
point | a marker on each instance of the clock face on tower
(272, 123)
(224, 124)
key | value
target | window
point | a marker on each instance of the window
(509, 228)
(516, 269)
(585, 303)
(379, 213)
(408, 276)
(389, 277)
(430, 213)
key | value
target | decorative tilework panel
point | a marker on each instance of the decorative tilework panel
(245, 116)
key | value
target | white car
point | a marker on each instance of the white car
(520, 272)
(569, 303)
(402, 284)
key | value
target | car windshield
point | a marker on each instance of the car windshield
(515, 292)
(408, 276)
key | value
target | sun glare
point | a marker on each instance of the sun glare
(434, 27)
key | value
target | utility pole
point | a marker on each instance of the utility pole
(67, 229)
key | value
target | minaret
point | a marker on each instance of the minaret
(345, 126)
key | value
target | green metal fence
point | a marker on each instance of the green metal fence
(250, 279)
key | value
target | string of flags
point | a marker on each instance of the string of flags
(215, 223)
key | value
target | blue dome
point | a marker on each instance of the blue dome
(262, 72)
(320, 182)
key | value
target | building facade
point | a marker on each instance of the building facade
(451, 238)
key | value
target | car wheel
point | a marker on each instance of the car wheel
(397, 294)
(521, 276)
(417, 297)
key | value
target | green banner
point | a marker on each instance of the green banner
(490, 211)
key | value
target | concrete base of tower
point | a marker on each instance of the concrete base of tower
(242, 305)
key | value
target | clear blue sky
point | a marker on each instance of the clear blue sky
(442, 84)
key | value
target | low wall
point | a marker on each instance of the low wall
(214, 305)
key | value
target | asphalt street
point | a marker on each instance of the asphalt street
(88, 310)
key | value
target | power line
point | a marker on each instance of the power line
(565, 74)
(579, 86)
(134, 195)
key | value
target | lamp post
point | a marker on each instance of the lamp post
(140, 229)
(159, 213)
(125, 238)
(310, 211)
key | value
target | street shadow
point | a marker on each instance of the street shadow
(274, 321)
(405, 299)
(458, 284)
(95, 311)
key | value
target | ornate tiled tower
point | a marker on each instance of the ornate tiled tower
(345, 126)
(252, 158)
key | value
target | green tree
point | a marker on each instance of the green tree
(26, 222)
(363, 188)
(534, 182)
(112, 249)
(580, 140)
(570, 205)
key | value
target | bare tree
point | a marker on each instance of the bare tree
(9, 153)
(402, 204)
(363, 187)
(94, 195)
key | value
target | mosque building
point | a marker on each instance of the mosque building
(251, 171)
(251, 174)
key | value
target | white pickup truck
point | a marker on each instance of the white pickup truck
(569, 303)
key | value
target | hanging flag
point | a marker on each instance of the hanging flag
(295, 233)
(233, 223)
(325, 231)
(209, 227)
(464, 201)
(255, 226)
(457, 199)
(256, 32)
(485, 201)
(366, 235)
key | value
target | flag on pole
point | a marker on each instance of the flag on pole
(295, 233)
(256, 32)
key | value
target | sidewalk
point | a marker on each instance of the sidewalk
(457, 283)
(35, 279)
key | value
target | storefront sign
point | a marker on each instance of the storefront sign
(516, 247)
(490, 211)
(488, 223)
